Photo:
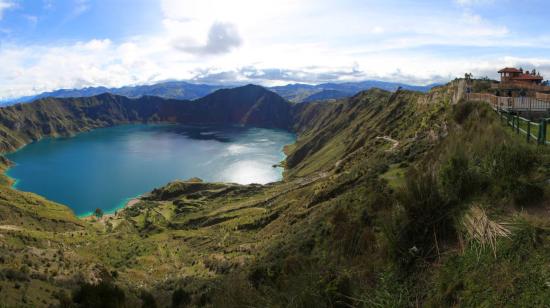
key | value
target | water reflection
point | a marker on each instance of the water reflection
(249, 171)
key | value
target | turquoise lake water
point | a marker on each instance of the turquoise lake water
(105, 167)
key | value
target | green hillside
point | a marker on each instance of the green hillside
(389, 200)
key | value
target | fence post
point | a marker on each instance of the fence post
(517, 124)
(542, 132)
(528, 131)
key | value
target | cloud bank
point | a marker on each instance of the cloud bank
(285, 41)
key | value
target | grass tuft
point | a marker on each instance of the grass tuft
(482, 230)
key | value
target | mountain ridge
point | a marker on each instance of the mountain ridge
(181, 90)
(247, 105)
(184, 90)
(298, 93)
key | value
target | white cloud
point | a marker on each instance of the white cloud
(48, 4)
(146, 60)
(95, 45)
(377, 30)
(33, 20)
(4, 5)
(80, 7)
(473, 2)
(272, 42)
(222, 38)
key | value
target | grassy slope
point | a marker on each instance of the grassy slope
(340, 230)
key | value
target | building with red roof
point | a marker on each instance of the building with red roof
(518, 77)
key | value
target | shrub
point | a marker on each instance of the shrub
(456, 178)
(507, 162)
(525, 238)
(147, 300)
(63, 298)
(350, 237)
(293, 264)
(336, 289)
(259, 275)
(102, 295)
(509, 167)
(14, 275)
(181, 298)
(462, 111)
(98, 213)
(426, 216)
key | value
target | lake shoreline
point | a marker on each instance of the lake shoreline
(241, 149)
(128, 202)
(91, 217)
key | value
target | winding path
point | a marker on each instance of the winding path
(387, 138)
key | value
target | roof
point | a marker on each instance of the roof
(509, 70)
(528, 77)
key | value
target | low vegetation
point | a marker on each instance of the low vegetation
(453, 213)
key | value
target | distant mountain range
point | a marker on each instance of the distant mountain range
(182, 90)
(298, 93)
(325, 95)
(172, 90)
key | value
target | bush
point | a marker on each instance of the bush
(509, 167)
(147, 299)
(181, 298)
(102, 295)
(462, 111)
(507, 162)
(293, 264)
(426, 216)
(350, 237)
(63, 298)
(457, 179)
(336, 289)
(260, 275)
(14, 275)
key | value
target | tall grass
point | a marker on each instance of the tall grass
(482, 230)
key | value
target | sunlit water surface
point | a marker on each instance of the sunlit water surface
(106, 167)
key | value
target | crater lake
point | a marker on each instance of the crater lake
(106, 167)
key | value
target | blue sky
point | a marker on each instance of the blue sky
(51, 44)
(54, 22)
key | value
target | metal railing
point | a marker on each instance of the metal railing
(543, 97)
(520, 85)
(534, 104)
(504, 106)
(532, 130)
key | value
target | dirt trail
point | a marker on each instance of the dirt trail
(10, 228)
(387, 138)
